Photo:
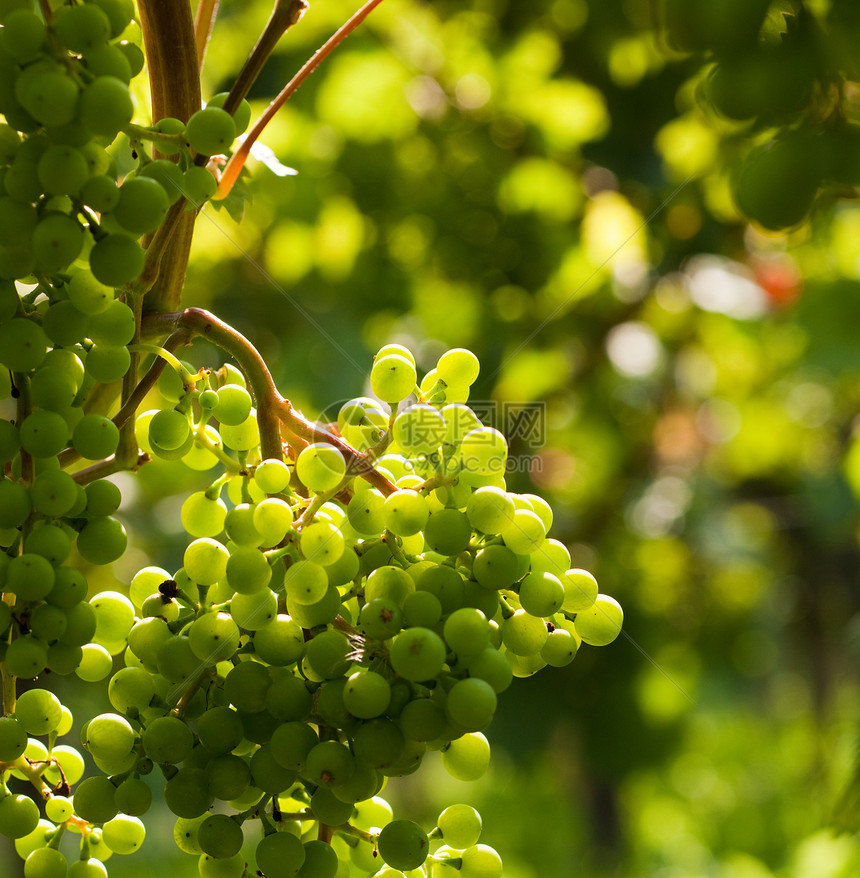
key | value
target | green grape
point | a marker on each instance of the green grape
(107, 363)
(329, 763)
(213, 637)
(327, 808)
(365, 512)
(187, 794)
(458, 367)
(102, 540)
(392, 378)
(89, 868)
(281, 855)
(242, 437)
(13, 738)
(252, 612)
(131, 689)
(405, 512)
(38, 711)
(113, 325)
(109, 736)
(421, 609)
(82, 28)
(272, 519)
(23, 345)
(19, 815)
(561, 645)
(233, 406)
(417, 654)
(22, 35)
(447, 532)
(471, 704)
(422, 719)
(460, 826)
(94, 799)
(280, 643)
(242, 114)
(210, 131)
(289, 699)
(580, 590)
(95, 437)
(445, 583)
(53, 492)
(53, 389)
(198, 184)
(62, 170)
(248, 570)
(58, 809)
(167, 739)
(489, 509)
(87, 294)
(496, 567)
(366, 694)
(305, 582)
(205, 560)
(483, 452)
(95, 663)
(481, 861)
(34, 840)
(105, 106)
(15, 505)
(320, 467)
(541, 594)
(388, 582)
(403, 844)
(116, 259)
(109, 60)
(524, 533)
(123, 834)
(133, 796)
(272, 476)
(169, 126)
(327, 654)
(202, 515)
(523, 634)
(291, 743)
(230, 867)
(50, 97)
(320, 861)
(114, 617)
(29, 576)
(220, 836)
(168, 174)
(229, 776)
(245, 686)
(103, 497)
(322, 543)
(266, 774)
(100, 193)
(10, 441)
(48, 623)
(601, 623)
(466, 631)
(467, 757)
(56, 241)
(143, 205)
(380, 618)
(419, 429)
(219, 729)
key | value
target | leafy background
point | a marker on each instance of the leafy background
(541, 182)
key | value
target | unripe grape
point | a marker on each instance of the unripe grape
(601, 623)
(392, 378)
(403, 844)
(320, 467)
(105, 106)
(210, 131)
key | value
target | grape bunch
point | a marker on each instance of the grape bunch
(337, 615)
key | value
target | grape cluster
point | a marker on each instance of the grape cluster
(337, 615)
(774, 84)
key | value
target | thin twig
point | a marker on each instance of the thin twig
(237, 161)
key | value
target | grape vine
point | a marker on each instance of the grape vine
(351, 596)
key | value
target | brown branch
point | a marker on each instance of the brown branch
(204, 20)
